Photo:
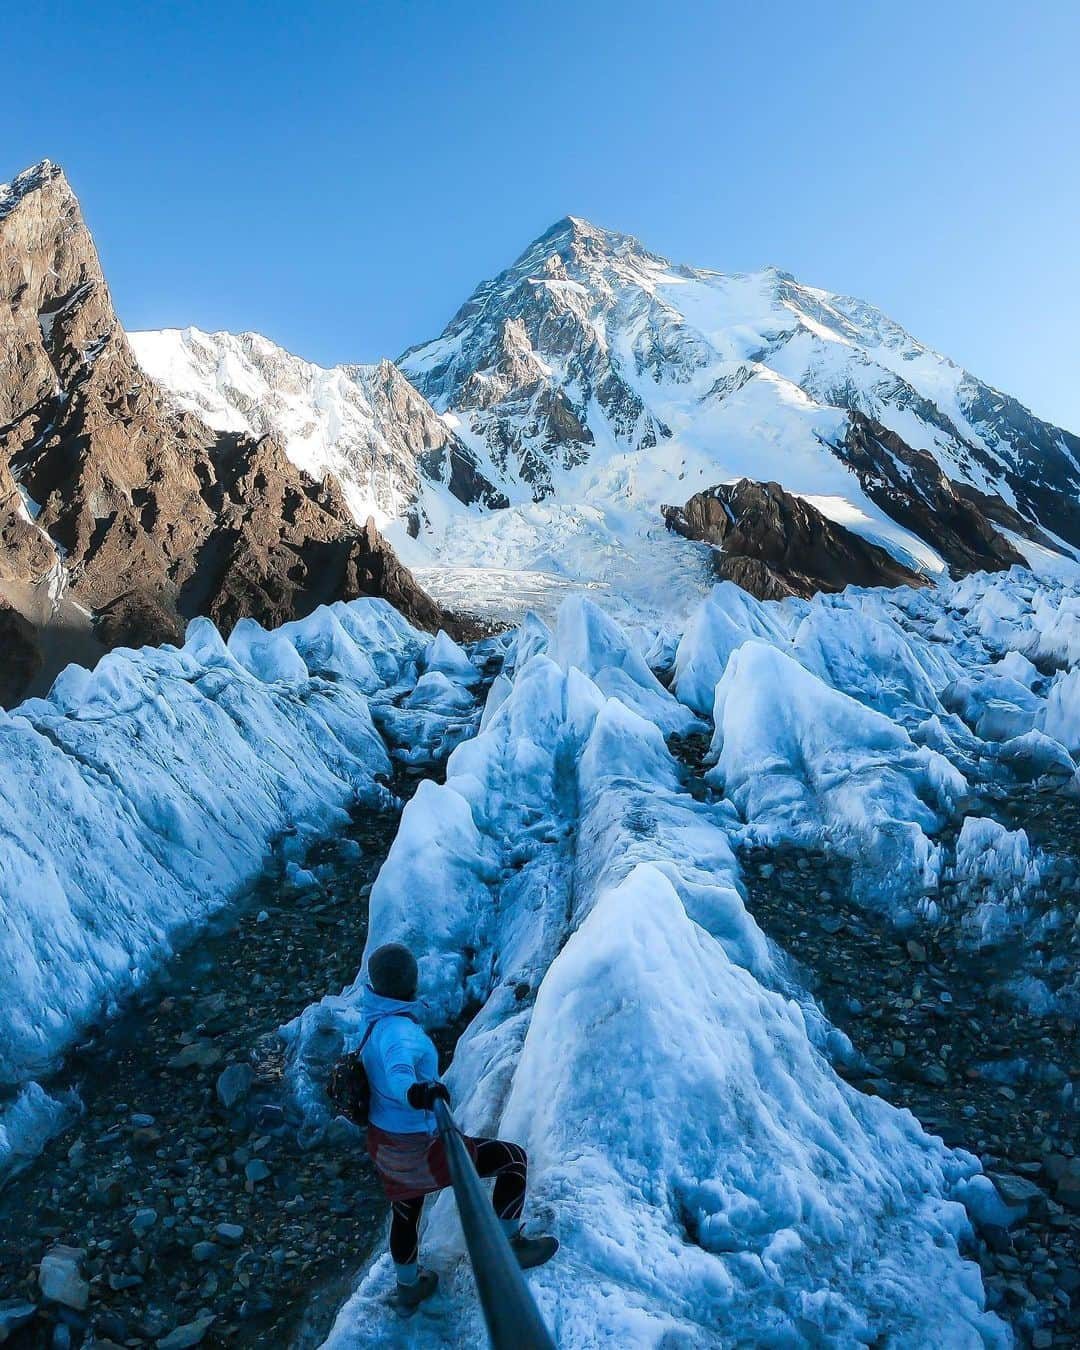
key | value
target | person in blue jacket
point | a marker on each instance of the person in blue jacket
(402, 1066)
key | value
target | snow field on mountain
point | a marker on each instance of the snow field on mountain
(709, 1176)
(682, 378)
(139, 798)
(325, 418)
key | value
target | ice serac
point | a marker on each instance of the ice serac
(603, 380)
(154, 517)
(138, 797)
(774, 545)
(365, 424)
(710, 1177)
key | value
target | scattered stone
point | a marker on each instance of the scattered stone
(257, 1305)
(190, 1333)
(831, 923)
(1016, 1190)
(15, 1313)
(256, 1170)
(234, 1083)
(1067, 1191)
(118, 1283)
(996, 1238)
(111, 1326)
(916, 950)
(199, 1054)
(143, 1221)
(60, 1277)
(205, 1251)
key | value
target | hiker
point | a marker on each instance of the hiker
(402, 1066)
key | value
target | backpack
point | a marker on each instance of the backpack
(348, 1088)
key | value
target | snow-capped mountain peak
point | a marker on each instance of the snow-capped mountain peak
(593, 381)
(594, 372)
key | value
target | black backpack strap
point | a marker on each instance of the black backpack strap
(385, 1017)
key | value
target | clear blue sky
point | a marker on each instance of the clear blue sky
(340, 175)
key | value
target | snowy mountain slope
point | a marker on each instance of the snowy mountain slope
(366, 425)
(600, 377)
(720, 1184)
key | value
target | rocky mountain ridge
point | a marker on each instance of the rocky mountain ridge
(143, 512)
(567, 400)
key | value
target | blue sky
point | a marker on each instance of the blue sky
(340, 175)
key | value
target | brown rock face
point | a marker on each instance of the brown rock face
(910, 487)
(20, 655)
(159, 518)
(773, 544)
(25, 553)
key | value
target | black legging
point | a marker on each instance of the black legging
(496, 1158)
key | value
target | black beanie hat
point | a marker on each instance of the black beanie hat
(392, 972)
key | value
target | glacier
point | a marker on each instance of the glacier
(710, 1177)
(579, 906)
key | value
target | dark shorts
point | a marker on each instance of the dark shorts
(411, 1165)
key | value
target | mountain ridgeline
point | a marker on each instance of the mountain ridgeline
(601, 380)
(589, 345)
(571, 399)
(136, 513)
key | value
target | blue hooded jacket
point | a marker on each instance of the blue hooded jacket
(398, 1054)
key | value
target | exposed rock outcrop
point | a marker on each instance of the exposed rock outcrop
(774, 544)
(20, 654)
(157, 517)
(911, 487)
(25, 551)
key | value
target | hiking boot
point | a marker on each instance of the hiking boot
(412, 1295)
(533, 1251)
